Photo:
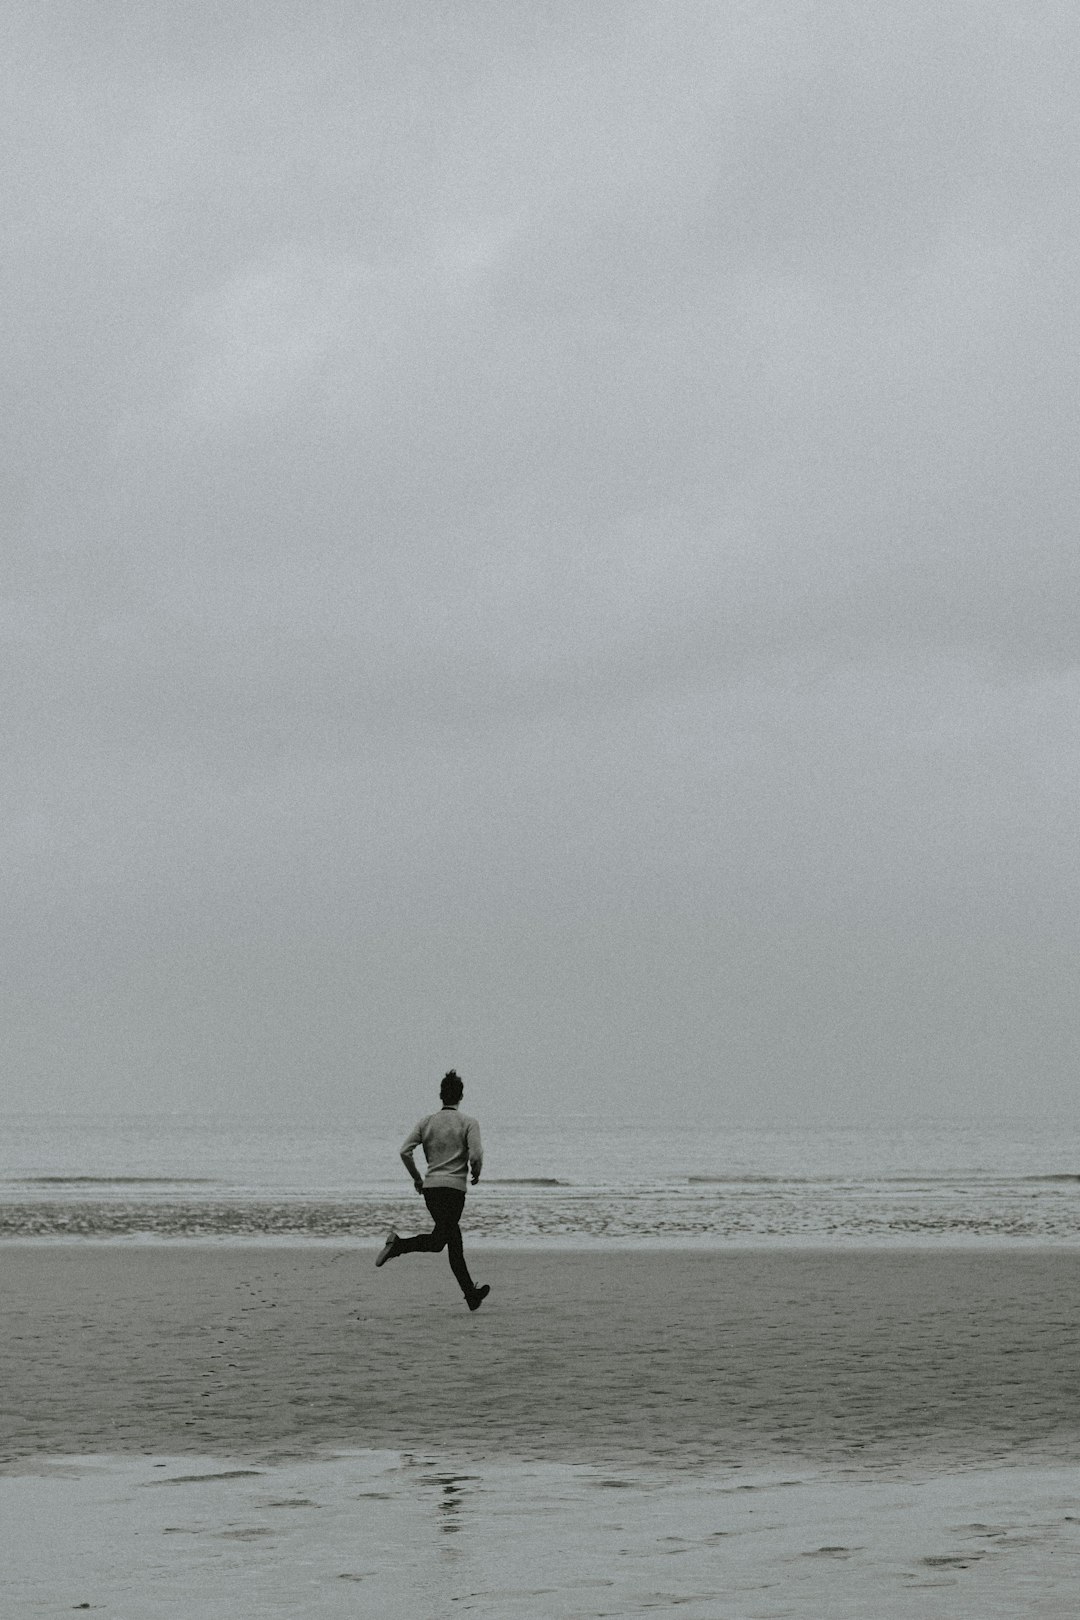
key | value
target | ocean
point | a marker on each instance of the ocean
(589, 1182)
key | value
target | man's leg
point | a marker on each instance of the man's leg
(445, 1205)
(424, 1242)
(455, 1249)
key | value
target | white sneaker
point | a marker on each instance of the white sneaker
(388, 1250)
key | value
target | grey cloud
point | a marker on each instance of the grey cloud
(544, 532)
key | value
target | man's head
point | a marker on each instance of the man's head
(451, 1090)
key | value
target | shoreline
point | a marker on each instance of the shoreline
(572, 1244)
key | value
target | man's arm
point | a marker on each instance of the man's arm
(476, 1151)
(408, 1148)
(410, 1165)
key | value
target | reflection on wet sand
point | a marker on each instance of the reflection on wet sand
(451, 1499)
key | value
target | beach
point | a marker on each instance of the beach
(687, 1359)
(602, 1401)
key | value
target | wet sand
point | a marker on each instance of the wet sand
(405, 1538)
(850, 1361)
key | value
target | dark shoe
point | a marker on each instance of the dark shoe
(388, 1250)
(477, 1297)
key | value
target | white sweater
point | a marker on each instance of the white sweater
(451, 1144)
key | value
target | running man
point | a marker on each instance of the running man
(451, 1144)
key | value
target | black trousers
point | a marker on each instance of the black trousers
(445, 1205)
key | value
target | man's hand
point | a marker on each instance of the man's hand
(475, 1177)
(419, 1185)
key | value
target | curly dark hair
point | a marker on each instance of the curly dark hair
(452, 1089)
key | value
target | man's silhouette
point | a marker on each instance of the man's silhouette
(451, 1144)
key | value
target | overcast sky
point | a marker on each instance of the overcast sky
(542, 537)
